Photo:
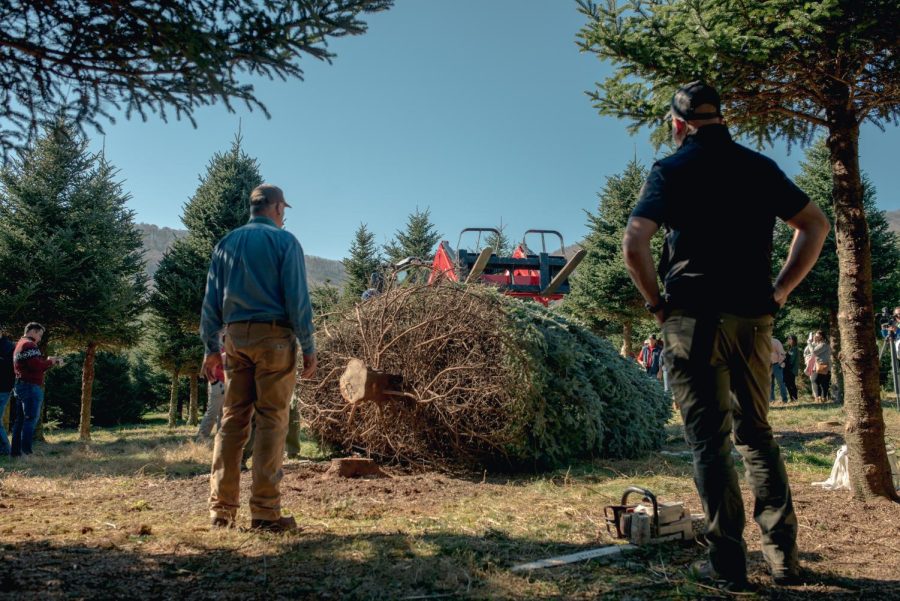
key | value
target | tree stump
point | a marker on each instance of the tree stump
(354, 467)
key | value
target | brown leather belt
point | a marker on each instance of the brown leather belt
(273, 322)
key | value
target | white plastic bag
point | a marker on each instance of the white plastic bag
(840, 474)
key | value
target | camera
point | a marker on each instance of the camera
(887, 319)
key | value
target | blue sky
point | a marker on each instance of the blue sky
(472, 108)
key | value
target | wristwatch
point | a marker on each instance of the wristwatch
(657, 307)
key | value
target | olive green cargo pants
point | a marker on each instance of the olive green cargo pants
(261, 368)
(719, 370)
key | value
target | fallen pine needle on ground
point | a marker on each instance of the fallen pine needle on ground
(125, 516)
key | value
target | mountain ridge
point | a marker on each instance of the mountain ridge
(157, 240)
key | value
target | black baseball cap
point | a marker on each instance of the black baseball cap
(267, 194)
(691, 97)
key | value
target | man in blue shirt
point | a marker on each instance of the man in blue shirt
(256, 292)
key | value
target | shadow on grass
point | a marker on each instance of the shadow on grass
(367, 566)
(799, 440)
(806, 406)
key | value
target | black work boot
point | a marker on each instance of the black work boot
(703, 571)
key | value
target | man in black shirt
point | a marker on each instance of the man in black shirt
(718, 202)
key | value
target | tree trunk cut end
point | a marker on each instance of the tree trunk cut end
(355, 467)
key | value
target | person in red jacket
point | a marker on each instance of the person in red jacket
(30, 366)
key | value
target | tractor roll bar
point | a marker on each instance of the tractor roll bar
(480, 230)
(544, 233)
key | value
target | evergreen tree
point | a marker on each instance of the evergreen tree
(221, 202)
(784, 69)
(602, 294)
(324, 298)
(361, 264)
(813, 304)
(419, 239)
(501, 244)
(169, 58)
(110, 292)
(94, 289)
(36, 238)
(170, 348)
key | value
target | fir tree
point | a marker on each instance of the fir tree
(813, 304)
(92, 291)
(324, 298)
(501, 244)
(784, 69)
(602, 294)
(36, 239)
(419, 239)
(175, 351)
(78, 59)
(361, 264)
(221, 202)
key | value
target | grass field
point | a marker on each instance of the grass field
(126, 517)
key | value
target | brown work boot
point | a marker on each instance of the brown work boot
(221, 523)
(283, 524)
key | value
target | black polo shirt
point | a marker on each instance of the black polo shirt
(718, 202)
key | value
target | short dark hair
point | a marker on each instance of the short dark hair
(34, 326)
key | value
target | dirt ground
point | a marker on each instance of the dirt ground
(125, 517)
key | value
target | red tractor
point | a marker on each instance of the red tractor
(542, 277)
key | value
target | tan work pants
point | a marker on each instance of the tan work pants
(260, 367)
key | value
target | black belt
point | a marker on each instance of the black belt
(273, 322)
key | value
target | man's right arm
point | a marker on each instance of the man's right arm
(211, 320)
(810, 229)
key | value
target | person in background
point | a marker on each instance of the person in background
(30, 366)
(891, 329)
(7, 381)
(376, 286)
(778, 356)
(662, 373)
(646, 356)
(655, 370)
(639, 357)
(215, 399)
(818, 353)
(791, 366)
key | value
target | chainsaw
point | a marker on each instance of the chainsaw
(650, 521)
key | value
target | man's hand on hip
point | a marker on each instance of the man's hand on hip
(212, 363)
(309, 366)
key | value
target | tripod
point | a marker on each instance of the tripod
(890, 341)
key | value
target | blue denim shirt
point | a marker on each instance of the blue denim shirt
(257, 273)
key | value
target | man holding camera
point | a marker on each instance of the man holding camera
(718, 202)
(889, 327)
